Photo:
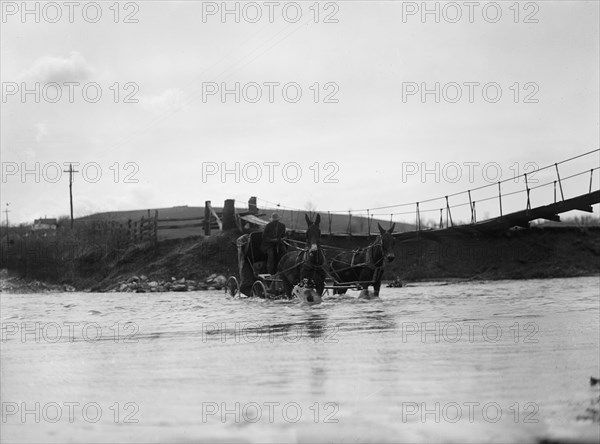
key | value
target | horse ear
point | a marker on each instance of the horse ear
(308, 222)
(381, 229)
(318, 219)
(391, 230)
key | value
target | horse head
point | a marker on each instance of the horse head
(387, 242)
(313, 239)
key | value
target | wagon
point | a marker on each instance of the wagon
(343, 269)
(261, 287)
(253, 279)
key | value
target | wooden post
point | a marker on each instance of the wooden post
(471, 205)
(120, 237)
(349, 222)
(228, 216)
(500, 198)
(147, 227)
(252, 207)
(527, 189)
(129, 232)
(559, 182)
(71, 171)
(156, 227)
(6, 211)
(448, 214)
(207, 218)
(418, 222)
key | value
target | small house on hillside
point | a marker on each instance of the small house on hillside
(44, 224)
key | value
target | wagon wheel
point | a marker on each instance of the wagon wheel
(259, 290)
(232, 287)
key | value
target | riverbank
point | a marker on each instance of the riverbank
(198, 263)
(11, 282)
(189, 264)
(533, 253)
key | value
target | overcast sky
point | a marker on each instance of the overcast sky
(362, 55)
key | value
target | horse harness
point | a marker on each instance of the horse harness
(369, 261)
(375, 265)
(302, 261)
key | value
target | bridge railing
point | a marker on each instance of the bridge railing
(571, 177)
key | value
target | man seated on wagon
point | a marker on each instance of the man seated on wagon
(271, 242)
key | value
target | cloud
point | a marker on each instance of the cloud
(41, 131)
(169, 101)
(60, 69)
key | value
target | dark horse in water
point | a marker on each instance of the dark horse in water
(364, 267)
(295, 266)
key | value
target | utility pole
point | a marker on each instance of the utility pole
(71, 171)
(6, 211)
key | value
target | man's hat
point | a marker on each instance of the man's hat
(274, 216)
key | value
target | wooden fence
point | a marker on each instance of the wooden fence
(173, 228)
(122, 234)
(151, 228)
(143, 230)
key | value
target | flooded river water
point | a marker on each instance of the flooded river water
(506, 361)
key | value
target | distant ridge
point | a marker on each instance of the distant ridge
(339, 222)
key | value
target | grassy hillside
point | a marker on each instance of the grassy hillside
(163, 213)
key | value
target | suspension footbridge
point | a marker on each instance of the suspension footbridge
(543, 193)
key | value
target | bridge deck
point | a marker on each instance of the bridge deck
(549, 212)
(518, 218)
